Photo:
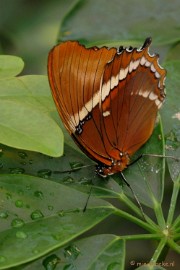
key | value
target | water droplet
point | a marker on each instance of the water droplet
(16, 170)
(76, 165)
(68, 180)
(51, 261)
(2, 259)
(61, 213)
(30, 161)
(28, 187)
(37, 214)
(23, 163)
(1, 152)
(8, 196)
(35, 251)
(21, 235)
(17, 223)
(76, 210)
(44, 173)
(19, 203)
(22, 155)
(20, 192)
(4, 214)
(72, 251)
(50, 207)
(83, 181)
(57, 236)
(39, 194)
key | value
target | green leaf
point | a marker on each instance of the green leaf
(171, 116)
(10, 66)
(146, 176)
(107, 20)
(95, 252)
(38, 216)
(150, 267)
(25, 120)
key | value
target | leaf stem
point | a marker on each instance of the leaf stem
(136, 220)
(158, 250)
(176, 223)
(173, 201)
(141, 236)
(132, 206)
(159, 215)
(174, 245)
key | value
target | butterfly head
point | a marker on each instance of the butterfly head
(117, 165)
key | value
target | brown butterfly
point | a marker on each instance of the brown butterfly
(107, 98)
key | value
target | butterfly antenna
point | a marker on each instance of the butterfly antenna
(134, 195)
(85, 207)
(153, 155)
(73, 170)
(162, 156)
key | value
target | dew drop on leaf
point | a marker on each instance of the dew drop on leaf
(20, 192)
(50, 207)
(68, 180)
(35, 251)
(8, 196)
(39, 194)
(30, 161)
(37, 214)
(51, 262)
(16, 170)
(19, 203)
(23, 163)
(4, 214)
(44, 173)
(71, 251)
(21, 235)
(76, 165)
(22, 155)
(2, 259)
(28, 187)
(83, 181)
(1, 152)
(17, 223)
(61, 213)
(76, 210)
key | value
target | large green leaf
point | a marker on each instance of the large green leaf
(115, 20)
(25, 108)
(38, 216)
(145, 176)
(10, 66)
(95, 252)
(31, 30)
(171, 116)
(151, 267)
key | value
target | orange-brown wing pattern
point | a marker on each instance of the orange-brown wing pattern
(107, 98)
(132, 93)
(75, 74)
